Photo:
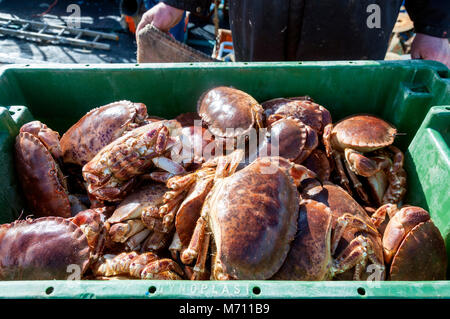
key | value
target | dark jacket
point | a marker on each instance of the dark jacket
(266, 30)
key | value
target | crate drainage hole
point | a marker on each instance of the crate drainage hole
(361, 291)
(152, 289)
(256, 290)
(49, 290)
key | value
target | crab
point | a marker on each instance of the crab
(37, 155)
(63, 247)
(289, 138)
(310, 256)
(136, 222)
(237, 202)
(413, 246)
(230, 114)
(310, 118)
(113, 172)
(137, 266)
(318, 162)
(348, 140)
(354, 241)
(98, 128)
(314, 115)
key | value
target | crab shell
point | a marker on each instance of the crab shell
(318, 162)
(47, 136)
(100, 127)
(363, 133)
(42, 181)
(112, 173)
(414, 246)
(271, 105)
(189, 210)
(92, 223)
(310, 255)
(229, 112)
(42, 249)
(188, 119)
(340, 202)
(312, 114)
(253, 219)
(288, 137)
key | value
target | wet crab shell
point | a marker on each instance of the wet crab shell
(42, 249)
(229, 112)
(318, 162)
(288, 137)
(253, 220)
(272, 104)
(188, 119)
(113, 171)
(312, 114)
(310, 255)
(41, 178)
(340, 202)
(48, 137)
(363, 133)
(421, 255)
(100, 127)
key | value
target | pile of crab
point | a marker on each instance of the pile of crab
(236, 190)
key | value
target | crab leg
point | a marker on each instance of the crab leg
(192, 251)
(357, 184)
(379, 215)
(344, 221)
(199, 271)
(168, 165)
(398, 158)
(138, 264)
(121, 232)
(162, 269)
(397, 185)
(355, 255)
(341, 171)
(135, 241)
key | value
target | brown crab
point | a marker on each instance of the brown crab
(112, 173)
(229, 114)
(349, 139)
(130, 265)
(136, 222)
(412, 244)
(355, 240)
(238, 203)
(310, 256)
(318, 162)
(314, 115)
(289, 138)
(62, 245)
(310, 118)
(37, 155)
(98, 128)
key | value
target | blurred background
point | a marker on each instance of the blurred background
(102, 31)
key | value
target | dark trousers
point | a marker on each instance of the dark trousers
(284, 30)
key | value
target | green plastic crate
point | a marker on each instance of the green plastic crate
(413, 95)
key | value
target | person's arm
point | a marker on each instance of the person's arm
(166, 14)
(432, 26)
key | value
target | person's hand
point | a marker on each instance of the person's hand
(428, 47)
(162, 16)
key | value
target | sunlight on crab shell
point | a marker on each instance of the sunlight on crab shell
(194, 150)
